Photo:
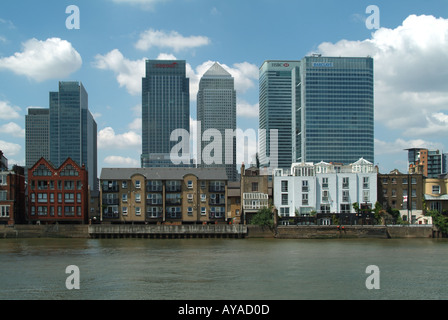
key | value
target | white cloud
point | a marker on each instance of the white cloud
(129, 73)
(136, 124)
(121, 161)
(107, 138)
(245, 109)
(13, 129)
(410, 72)
(9, 149)
(172, 40)
(42, 60)
(7, 111)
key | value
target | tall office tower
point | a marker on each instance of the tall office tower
(37, 134)
(216, 108)
(333, 118)
(165, 108)
(275, 111)
(73, 131)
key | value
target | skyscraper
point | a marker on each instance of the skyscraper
(165, 108)
(37, 134)
(73, 131)
(275, 110)
(333, 109)
(216, 108)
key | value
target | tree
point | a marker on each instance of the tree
(439, 220)
(264, 218)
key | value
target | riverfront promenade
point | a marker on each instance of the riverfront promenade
(216, 231)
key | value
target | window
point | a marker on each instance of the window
(138, 211)
(4, 211)
(42, 197)
(365, 182)
(325, 196)
(190, 211)
(190, 197)
(3, 178)
(203, 185)
(3, 195)
(413, 180)
(190, 184)
(124, 184)
(137, 197)
(284, 211)
(414, 192)
(203, 211)
(324, 182)
(137, 184)
(305, 186)
(345, 196)
(325, 208)
(69, 197)
(405, 180)
(345, 208)
(69, 185)
(345, 183)
(394, 193)
(237, 212)
(254, 186)
(284, 186)
(365, 196)
(51, 197)
(203, 197)
(124, 211)
(305, 198)
(124, 197)
(284, 199)
(436, 189)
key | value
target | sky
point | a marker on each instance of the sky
(104, 43)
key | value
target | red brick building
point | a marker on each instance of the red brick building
(12, 195)
(57, 194)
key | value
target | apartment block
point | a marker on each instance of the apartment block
(57, 194)
(324, 188)
(402, 191)
(163, 195)
(12, 194)
(436, 194)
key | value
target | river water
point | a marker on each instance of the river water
(223, 269)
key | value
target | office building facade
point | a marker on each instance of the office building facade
(165, 108)
(275, 101)
(216, 114)
(333, 110)
(73, 130)
(37, 135)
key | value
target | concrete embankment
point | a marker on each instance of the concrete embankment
(215, 231)
(335, 232)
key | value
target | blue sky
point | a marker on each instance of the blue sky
(107, 52)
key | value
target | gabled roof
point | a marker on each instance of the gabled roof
(362, 161)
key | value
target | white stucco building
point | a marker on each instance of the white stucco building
(324, 188)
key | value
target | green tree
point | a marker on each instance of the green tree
(439, 220)
(264, 218)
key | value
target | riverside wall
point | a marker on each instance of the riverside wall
(222, 231)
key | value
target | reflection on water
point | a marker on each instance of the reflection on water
(223, 269)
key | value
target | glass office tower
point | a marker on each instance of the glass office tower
(275, 110)
(216, 107)
(37, 134)
(333, 110)
(73, 131)
(165, 108)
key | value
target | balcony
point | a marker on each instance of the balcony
(110, 201)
